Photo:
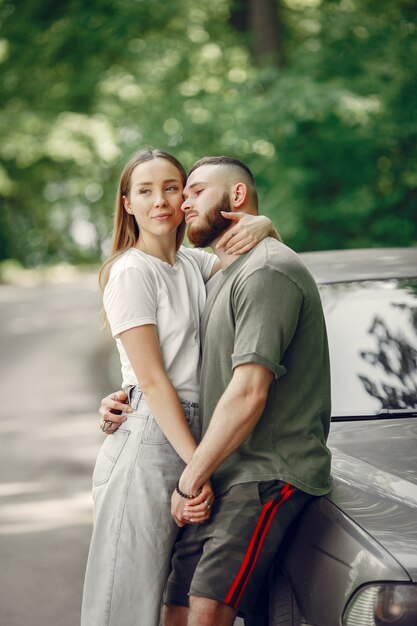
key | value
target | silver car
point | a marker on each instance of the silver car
(352, 558)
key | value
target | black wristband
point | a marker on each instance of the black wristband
(185, 495)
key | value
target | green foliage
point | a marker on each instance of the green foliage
(331, 139)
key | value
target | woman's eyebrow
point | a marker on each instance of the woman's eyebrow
(150, 182)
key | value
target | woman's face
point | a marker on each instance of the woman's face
(155, 197)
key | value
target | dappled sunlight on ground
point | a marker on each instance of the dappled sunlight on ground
(45, 515)
(53, 372)
(19, 489)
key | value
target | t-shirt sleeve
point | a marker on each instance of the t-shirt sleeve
(267, 307)
(205, 261)
(130, 299)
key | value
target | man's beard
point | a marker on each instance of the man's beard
(213, 226)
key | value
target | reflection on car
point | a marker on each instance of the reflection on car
(351, 560)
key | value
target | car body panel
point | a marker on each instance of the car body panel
(330, 266)
(375, 472)
(328, 558)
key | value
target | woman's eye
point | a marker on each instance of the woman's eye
(172, 188)
(144, 191)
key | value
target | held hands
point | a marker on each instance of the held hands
(246, 233)
(195, 511)
(110, 411)
(184, 511)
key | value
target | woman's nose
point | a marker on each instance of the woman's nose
(160, 199)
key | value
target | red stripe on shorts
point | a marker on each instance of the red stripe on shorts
(252, 553)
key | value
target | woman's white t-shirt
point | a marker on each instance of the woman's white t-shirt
(145, 290)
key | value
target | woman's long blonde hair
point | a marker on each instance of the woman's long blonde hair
(125, 228)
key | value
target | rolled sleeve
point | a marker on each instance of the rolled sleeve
(276, 368)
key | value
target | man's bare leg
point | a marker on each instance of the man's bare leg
(207, 612)
(175, 615)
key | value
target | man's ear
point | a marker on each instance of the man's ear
(239, 194)
(126, 204)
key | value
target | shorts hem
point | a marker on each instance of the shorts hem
(202, 594)
(175, 596)
(220, 488)
(175, 603)
(241, 611)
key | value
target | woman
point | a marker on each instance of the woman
(154, 294)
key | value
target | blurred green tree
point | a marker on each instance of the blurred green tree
(321, 104)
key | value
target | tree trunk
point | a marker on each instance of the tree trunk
(266, 28)
(239, 15)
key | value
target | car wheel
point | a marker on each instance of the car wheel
(283, 610)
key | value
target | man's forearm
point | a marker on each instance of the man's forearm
(235, 416)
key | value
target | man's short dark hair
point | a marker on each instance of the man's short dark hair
(223, 160)
(229, 162)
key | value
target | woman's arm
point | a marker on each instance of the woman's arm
(245, 234)
(143, 351)
(142, 348)
(247, 231)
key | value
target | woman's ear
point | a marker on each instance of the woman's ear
(126, 204)
(239, 193)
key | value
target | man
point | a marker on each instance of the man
(265, 408)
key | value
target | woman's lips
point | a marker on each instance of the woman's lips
(163, 216)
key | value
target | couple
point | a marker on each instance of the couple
(262, 400)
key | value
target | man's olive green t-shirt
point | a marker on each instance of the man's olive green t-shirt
(267, 310)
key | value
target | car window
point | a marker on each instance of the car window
(372, 328)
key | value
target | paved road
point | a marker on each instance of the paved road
(52, 373)
(54, 367)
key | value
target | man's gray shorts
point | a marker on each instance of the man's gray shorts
(227, 558)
